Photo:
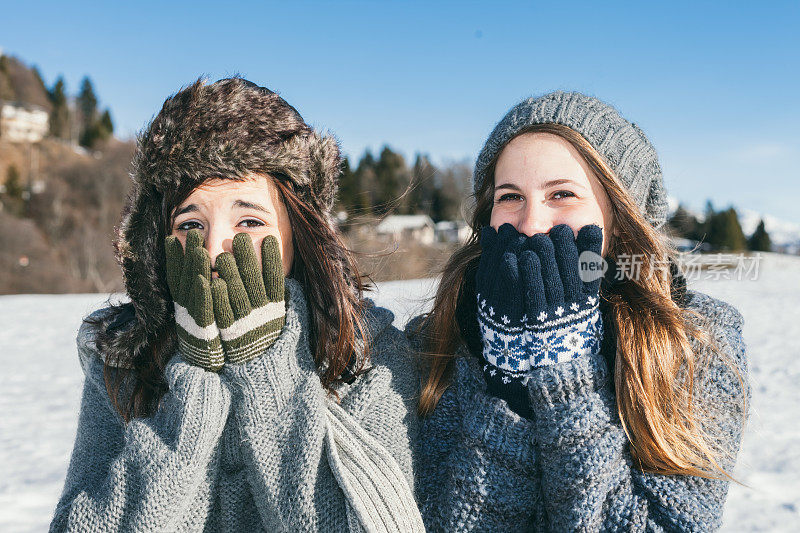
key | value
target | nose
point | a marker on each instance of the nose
(218, 240)
(534, 220)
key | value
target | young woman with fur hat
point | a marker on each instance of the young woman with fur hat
(247, 386)
(558, 398)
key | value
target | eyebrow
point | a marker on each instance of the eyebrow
(250, 205)
(192, 208)
(545, 185)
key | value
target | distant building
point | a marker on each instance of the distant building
(452, 231)
(23, 122)
(415, 227)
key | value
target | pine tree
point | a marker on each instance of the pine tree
(735, 236)
(98, 131)
(709, 212)
(366, 197)
(725, 232)
(347, 196)
(423, 186)
(87, 107)
(6, 88)
(684, 224)
(760, 241)
(437, 206)
(87, 101)
(59, 116)
(452, 186)
(89, 136)
(106, 125)
(392, 179)
(703, 228)
(39, 80)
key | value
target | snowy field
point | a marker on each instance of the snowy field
(41, 384)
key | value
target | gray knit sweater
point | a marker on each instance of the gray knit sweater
(482, 467)
(260, 446)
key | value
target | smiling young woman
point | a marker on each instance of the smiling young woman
(247, 385)
(557, 400)
(529, 195)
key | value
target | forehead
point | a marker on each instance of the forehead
(540, 157)
(215, 191)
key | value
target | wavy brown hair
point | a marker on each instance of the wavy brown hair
(655, 362)
(333, 287)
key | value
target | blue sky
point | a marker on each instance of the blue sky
(714, 85)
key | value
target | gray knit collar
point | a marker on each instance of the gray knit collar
(293, 337)
(295, 334)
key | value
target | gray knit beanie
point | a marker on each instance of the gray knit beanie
(623, 145)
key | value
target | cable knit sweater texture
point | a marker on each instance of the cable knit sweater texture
(258, 447)
(482, 467)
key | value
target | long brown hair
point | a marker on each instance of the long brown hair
(333, 287)
(655, 361)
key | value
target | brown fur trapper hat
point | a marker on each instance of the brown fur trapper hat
(232, 128)
(227, 129)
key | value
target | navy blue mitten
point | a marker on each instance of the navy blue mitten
(500, 306)
(500, 314)
(562, 307)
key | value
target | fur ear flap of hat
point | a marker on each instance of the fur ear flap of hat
(229, 129)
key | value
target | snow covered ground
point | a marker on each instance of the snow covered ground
(41, 383)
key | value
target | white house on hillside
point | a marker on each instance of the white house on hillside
(452, 231)
(23, 122)
(398, 227)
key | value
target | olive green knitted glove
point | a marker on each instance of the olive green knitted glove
(249, 302)
(188, 276)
